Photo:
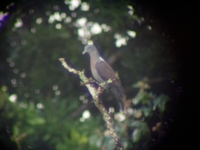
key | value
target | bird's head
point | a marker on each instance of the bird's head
(89, 49)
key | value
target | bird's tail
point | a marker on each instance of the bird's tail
(120, 95)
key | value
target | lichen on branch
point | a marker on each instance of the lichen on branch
(98, 103)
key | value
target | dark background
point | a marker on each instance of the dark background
(180, 20)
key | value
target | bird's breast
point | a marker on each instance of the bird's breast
(95, 73)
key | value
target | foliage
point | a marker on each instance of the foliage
(32, 125)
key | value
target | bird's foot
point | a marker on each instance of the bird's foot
(104, 84)
(100, 89)
(89, 82)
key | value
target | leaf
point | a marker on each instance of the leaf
(109, 144)
(144, 98)
(16, 131)
(146, 111)
(95, 140)
(141, 129)
(36, 121)
(136, 124)
(160, 102)
(46, 137)
(136, 135)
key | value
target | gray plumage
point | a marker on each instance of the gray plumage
(102, 72)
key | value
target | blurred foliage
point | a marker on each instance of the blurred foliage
(53, 125)
(30, 125)
(50, 101)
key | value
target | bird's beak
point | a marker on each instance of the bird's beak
(84, 51)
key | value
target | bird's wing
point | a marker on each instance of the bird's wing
(105, 71)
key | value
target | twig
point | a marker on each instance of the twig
(95, 95)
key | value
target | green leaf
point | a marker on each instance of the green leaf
(36, 121)
(96, 140)
(136, 135)
(135, 124)
(144, 98)
(146, 111)
(160, 102)
(16, 131)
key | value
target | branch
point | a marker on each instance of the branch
(95, 95)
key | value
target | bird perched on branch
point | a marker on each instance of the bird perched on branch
(102, 72)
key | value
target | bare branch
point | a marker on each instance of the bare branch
(95, 95)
